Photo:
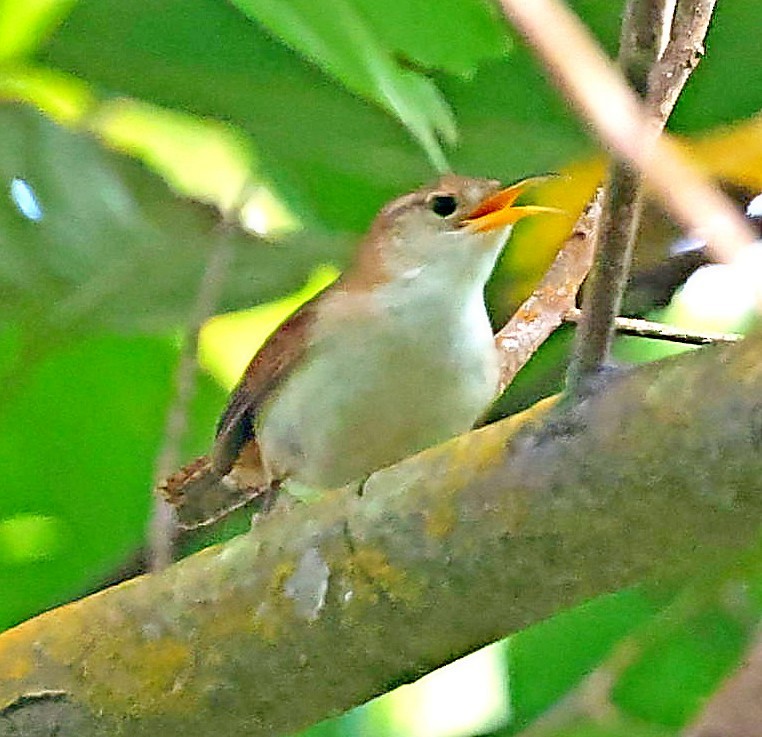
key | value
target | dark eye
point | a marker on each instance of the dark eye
(443, 205)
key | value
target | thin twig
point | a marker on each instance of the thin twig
(643, 37)
(660, 331)
(550, 302)
(680, 58)
(163, 526)
(632, 132)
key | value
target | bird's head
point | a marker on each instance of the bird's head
(455, 223)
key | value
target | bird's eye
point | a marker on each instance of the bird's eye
(443, 205)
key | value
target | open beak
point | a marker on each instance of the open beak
(498, 210)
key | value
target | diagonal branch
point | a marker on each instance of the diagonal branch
(681, 56)
(351, 593)
(550, 302)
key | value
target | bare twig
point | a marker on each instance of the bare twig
(680, 58)
(660, 331)
(612, 109)
(632, 132)
(620, 216)
(643, 37)
(163, 526)
(548, 305)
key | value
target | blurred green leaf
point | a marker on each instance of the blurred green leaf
(80, 429)
(551, 658)
(339, 39)
(454, 36)
(29, 537)
(23, 23)
(673, 677)
(334, 157)
(113, 247)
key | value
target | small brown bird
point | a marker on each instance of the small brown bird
(396, 356)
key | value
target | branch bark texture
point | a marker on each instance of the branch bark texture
(323, 607)
(645, 32)
(681, 56)
(550, 302)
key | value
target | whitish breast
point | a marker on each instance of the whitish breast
(371, 392)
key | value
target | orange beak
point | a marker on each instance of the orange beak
(498, 210)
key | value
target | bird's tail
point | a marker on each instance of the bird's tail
(202, 496)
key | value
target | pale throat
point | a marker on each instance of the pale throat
(447, 285)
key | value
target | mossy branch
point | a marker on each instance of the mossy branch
(323, 607)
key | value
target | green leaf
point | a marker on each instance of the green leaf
(673, 677)
(340, 41)
(453, 36)
(113, 247)
(23, 23)
(334, 157)
(79, 433)
(548, 660)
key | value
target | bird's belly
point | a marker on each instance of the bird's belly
(335, 421)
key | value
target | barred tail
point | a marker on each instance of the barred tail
(201, 496)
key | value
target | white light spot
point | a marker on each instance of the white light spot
(464, 697)
(412, 273)
(255, 219)
(687, 244)
(25, 199)
(308, 585)
(722, 296)
(754, 208)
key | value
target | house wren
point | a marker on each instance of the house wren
(394, 357)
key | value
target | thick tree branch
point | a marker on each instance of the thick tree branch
(323, 607)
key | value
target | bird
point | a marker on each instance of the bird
(395, 356)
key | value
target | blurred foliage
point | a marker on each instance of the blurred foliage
(118, 120)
